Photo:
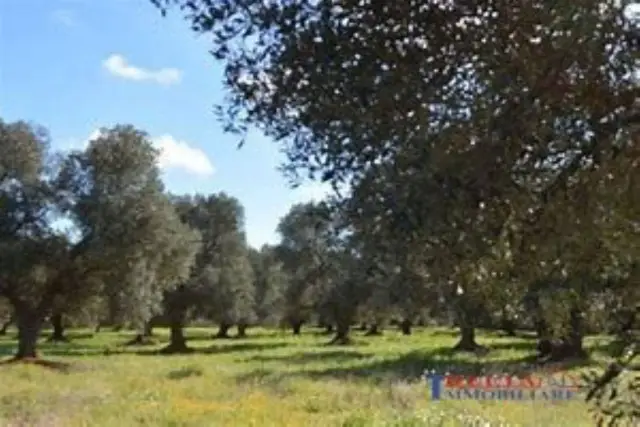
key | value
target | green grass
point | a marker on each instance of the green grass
(268, 379)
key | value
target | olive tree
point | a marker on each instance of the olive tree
(125, 235)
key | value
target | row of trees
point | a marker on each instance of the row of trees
(91, 236)
(125, 252)
(491, 150)
(511, 191)
(491, 170)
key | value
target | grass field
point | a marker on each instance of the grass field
(268, 379)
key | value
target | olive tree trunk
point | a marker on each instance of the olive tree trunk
(342, 334)
(223, 330)
(58, 328)
(374, 330)
(405, 327)
(177, 340)
(296, 326)
(29, 323)
(147, 331)
(242, 330)
(467, 342)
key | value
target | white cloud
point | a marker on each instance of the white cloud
(118, 66)
(175, 154)
(93, 135)
(64, 17)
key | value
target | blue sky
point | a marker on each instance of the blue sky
(77, 65)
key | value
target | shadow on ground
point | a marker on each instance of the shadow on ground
(310, 357)
(412, 366)
(217, 349)
(71, 348)
(511, 343)
(454, 333)
(609, 347)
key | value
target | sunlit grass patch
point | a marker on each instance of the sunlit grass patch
(267, 379)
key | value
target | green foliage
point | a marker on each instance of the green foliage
(485, 154)
(125, 237)
(615, 394)
(222, 278)
(305, 244)
(270, 284)
(267, 380)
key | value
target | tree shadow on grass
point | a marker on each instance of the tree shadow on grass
(513, 344)
(71, 349)
(219, 349)
(210, 335)
(185, 372)
(501, 333)
(198, 335)
(46, 334)
(79, 335)
(310, 357)
(9, 347)
(412, 367)
(444, 332)
(321, 333)
(69, 334)
(609, 347)
(605, 346)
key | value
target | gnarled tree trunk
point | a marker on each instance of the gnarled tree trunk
(223, 330)
(374, 330)
(144, 337)
(29, 324)
(543, 331)
(342, 333)
(148, 329)
(574, 340)
(296, 326)
(507, 324)
(569, 346)
(242, 330)
(467, 341)
(177, 340)
(405, 327)
(58, 328)
(176, 310)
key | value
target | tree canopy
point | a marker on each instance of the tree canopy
(125, 237)
(477, 137)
